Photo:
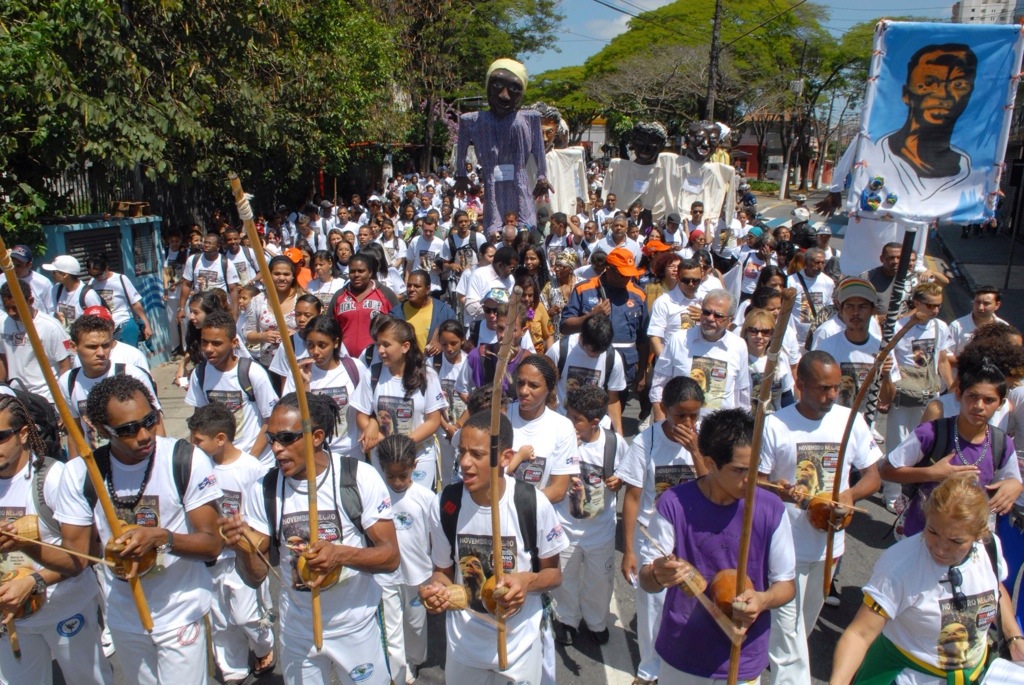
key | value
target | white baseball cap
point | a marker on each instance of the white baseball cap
(66, 264)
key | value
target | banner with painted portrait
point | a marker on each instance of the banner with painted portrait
(935, 122)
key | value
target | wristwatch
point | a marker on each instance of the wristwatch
(40, 585)
(169, 545)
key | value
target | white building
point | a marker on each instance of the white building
(984, 11)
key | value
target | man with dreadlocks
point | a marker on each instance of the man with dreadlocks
(356, 540)
(652, 177)
(29, 482)
(166, 489)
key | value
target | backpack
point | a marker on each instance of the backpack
(119, 370)
(348, 495)
(525, 499)
(223, 267)
(471, 244)
(563, 353)
(83, 290)
(436, 361)
(182, 469)
(243, 377)
(611, 445)
(375, 370)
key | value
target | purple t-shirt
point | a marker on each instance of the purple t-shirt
(708, 536)
(925, 434)
(483, 370)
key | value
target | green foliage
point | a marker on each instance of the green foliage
(565, 89)
(763, 186)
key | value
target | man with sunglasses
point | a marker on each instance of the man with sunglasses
(679, 307)
(175, 518)
(710, 354)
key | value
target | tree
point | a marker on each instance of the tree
(565, 89)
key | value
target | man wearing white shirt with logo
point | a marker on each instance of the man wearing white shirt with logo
(616, 237)
(40, 285)
(813, 292)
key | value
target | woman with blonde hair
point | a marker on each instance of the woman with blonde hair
(931, 600)
(757, 333)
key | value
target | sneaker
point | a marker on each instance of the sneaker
(644, 681)
(644, 425)
(564, 635)
(891, 506)
(833, 599)
(600, 636)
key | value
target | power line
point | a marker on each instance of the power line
(888, 9)
(645, 19)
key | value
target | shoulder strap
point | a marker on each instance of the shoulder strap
(474, 333)
(375, 370)
(998, 448)
(72, 378)
(436, 361)
(611, 445)
(244, 365)
(351, 370)
(102, 457)
(451, 247)
(119, 369)
(270, 507)
(525, 498)
(451, 502)
(58, 293)
(195, 261)
(348, 494)
(82, 290)
(609, 364)
(182, 466)
(563, 352)
(803, 284)
(201, 376)
(367, 353)
(942, 428)
(44, 510)
(250, 257)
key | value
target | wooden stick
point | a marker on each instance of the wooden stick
(768, 485)
(59, 548)
(845, 442)
(245, 212)
(721, 619)
(504, 354)
(749, 497)
(71, 424)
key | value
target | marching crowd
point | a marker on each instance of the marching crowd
(396, 310)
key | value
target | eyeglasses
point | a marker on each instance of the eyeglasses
(690, 281)
(132, 428)
(696, 211)
(713, 314)
(766, 332)
(490, 310)
(6, 434)
(284, 437)
(956, 580)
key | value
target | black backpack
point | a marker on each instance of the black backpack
(611, 445)
(471, 244)
(83, 289)
(348, 495)
(525, 499)
(73, 376)
(182, 469)
(244, 363)
(563, 353)
(223, 267)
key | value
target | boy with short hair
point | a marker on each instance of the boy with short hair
(588, 516)
(236, 614)
(219, 379)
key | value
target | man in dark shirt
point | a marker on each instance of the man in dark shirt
(882, 277)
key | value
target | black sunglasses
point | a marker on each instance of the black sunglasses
(5, 435)
(284, 437)
(490, 310)
(132, 428)
(690, 281)
(710, 313)
(956, 580)
(761, 331)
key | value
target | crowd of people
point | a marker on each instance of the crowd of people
(396, 310)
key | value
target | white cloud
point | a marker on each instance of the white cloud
(609, 28)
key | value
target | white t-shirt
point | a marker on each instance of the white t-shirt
(473, 637)
(782, 382)
(206, 274)
(467, 256)
(654, 463)
(21, 359)
(805, 452)
(411, 511)
(178, 589)
(820, 288)
(914, 591)
(41, 290)
(581, 369)
(83, 386)
(119, 295)
(224, 387)
(394, 249)
(553, 439)
(422, 253)
(606, 245)
(245, 264)
(922, 344)
(279, 364)
(480, 283)
(669, 313)
(399, 412)
(720, 368)
(17, 499)
(325, 291)
(962, 330)
(588, 511)
(339, 386)
(835, 325)
(855, 360)
(350, 605)
(236, 481)
(69, 304)
(121, 353)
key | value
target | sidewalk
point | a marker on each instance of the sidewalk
(172, 400)
(982, 261)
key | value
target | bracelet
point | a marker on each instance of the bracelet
(1015, 637)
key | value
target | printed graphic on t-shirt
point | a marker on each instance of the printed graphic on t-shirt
(531, 471)
(577, 377)
(230, 503)
(922, 353)
(390, 252)
(854, 374)
(340, 397)
(465, 257)
(685, 322)
(963, 634)
(243, 272)
(107, 296)
(232, 399)
(476, 563)
(16, 339)
(755, 390)
(295, 534)
(666, 477)
(427, 258)
(710, 374)
(16, 559)
(145, 515)
(206, 279)
(455, 404)
(586, 493)
(816, 467)
(68, 312)
(815, 299)
(394, 414)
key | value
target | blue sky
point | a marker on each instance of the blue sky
(588, 26)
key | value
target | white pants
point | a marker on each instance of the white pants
(358, 658)
(899, 423)
(235, 618)
(175, 656)
(587, 583)
(648, 620)
(549, 669)
(670, 676)
(405, 620)
(73, 641)
(524, 671)
(792, 623)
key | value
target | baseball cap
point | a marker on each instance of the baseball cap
(800, 198)
(674, 218)
(499, 295)
(65, 263)
(294, 254)
(373, 198)
(655, 246)
(824, 229)
(756, 231)
(855, 287)
(800, 214)
(97, 310)
(622, 261)
(21, 253)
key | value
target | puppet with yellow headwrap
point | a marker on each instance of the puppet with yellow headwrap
(504, 138)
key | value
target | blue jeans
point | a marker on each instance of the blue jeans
(128, 332)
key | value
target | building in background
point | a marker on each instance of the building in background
(987, 11)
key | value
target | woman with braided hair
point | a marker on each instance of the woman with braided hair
(28, 489)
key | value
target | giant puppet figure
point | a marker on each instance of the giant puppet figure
(705, 180)
(504, 138)
(933, 133)
(567, 169)
(652, 177)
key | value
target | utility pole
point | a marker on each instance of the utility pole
(716, 29)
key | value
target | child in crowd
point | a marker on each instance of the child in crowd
(306, 307)
(449, 365)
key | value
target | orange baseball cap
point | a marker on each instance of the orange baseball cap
(294, 254)
(621, 260)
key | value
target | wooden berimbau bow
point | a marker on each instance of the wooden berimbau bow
(74, 431)
(245, 213)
